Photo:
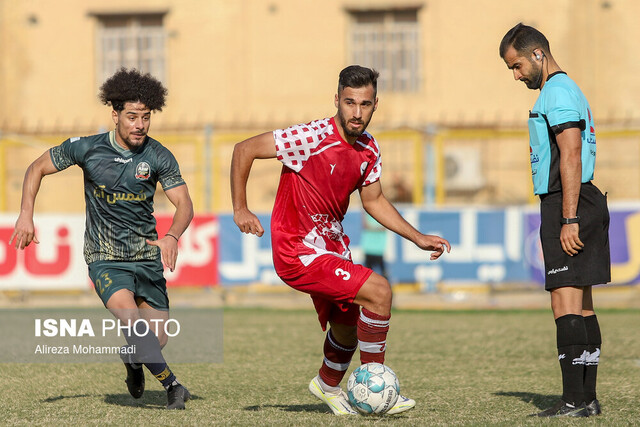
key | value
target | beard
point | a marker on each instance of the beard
(127, 138)
(352, 133)
(534, 80)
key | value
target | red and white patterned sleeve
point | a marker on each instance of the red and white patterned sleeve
(376, 170)
(295, 144)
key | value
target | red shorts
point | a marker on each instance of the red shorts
(333, 283)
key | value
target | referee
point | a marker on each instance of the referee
(575, 219)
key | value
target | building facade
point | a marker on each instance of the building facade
(248, 64)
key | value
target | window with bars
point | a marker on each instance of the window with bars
(389, 41)
(131, 41)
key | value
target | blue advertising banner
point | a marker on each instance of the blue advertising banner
(488, 245)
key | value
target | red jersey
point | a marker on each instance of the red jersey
(320, 172)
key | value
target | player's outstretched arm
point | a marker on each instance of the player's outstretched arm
(168, 244)
(379, 207)
(24, 231)
(244, 153)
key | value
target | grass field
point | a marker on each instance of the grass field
(462, 368)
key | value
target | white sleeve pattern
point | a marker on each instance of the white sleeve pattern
(376, 170)
(295, 144)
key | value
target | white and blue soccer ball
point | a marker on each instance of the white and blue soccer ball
(373, 388)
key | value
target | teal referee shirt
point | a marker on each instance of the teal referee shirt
(561, 105)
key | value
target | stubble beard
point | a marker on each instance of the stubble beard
(536, 82)
(130, 143)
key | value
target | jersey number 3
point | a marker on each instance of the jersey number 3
(345, 274)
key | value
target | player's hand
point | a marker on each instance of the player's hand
(23, 233)
(436, 244)
(569, 239)
(247, 222)
(168, 250)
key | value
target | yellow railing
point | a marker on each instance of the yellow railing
(414, 168)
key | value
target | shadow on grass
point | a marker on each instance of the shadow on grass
(291, 408)
(541, 401)
(61, 397)
(152, 399)
(319, 408)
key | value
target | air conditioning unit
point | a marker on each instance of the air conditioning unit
(463, 169)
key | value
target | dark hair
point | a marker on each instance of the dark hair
(524, 40)
(356, 76)
(133, 86)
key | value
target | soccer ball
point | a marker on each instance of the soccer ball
(373, 388)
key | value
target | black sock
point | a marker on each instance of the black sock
(128, 357)
(572, 351)
(149, 353)
(165, 376)
(594, 343)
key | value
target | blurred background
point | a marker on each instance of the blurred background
(451, 124)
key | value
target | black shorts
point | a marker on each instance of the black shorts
(592, 265)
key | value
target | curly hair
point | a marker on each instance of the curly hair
(133, 86)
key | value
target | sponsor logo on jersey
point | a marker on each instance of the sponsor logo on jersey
(121, 160)
(143, 170)
(332, 167)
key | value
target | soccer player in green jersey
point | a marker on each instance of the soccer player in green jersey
(121, 246)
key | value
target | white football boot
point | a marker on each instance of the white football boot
(338, 402)
(403, 404)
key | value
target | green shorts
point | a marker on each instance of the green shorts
(144, 278)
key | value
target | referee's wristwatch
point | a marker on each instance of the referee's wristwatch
(570, 220)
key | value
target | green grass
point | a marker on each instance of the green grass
(462, 368)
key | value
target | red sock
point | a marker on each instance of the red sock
(336, 361)
(372, 336)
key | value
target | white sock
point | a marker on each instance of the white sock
(327, 388)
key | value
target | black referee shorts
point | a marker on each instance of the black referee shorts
(592, 265)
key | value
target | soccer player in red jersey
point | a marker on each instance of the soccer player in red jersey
(324, 161)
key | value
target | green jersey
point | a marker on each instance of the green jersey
(119, 186)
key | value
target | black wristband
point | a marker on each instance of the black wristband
(570, 220)
(171, 236)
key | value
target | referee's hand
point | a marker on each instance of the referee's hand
(569, 239)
